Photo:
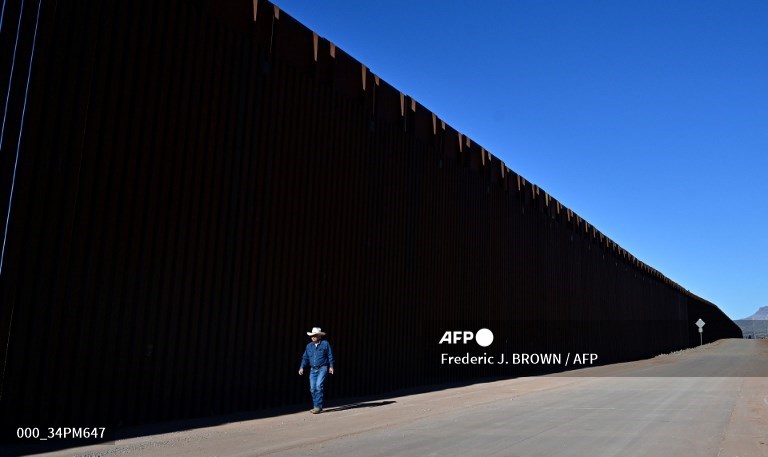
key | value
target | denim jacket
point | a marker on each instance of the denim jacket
(317, 356)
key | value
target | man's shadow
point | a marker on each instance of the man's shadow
(370, 404)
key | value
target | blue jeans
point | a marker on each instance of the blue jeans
(316, 384)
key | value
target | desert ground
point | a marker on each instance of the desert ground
(707, 401)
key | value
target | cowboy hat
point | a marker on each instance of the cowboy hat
(316, 331)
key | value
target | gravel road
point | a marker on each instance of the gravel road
(708, 401)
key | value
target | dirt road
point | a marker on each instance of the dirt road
(718, 408)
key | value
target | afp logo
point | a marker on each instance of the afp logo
(483, 337)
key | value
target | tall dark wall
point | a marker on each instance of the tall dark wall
(194, 190)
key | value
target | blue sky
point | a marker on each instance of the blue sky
(649, 119)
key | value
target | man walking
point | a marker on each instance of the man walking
(319, 358)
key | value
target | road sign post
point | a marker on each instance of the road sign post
(700, 324)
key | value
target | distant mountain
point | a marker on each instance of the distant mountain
(756, 325)
(760, 315)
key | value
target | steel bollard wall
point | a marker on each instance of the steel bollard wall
(199, 183)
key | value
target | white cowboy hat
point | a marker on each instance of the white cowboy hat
(316, 331)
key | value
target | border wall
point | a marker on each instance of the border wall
(193, 187)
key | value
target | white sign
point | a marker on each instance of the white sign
(700, 323)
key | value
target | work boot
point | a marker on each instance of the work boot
(316, 410)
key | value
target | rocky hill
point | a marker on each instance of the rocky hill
(760, 315)
(756, 325)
